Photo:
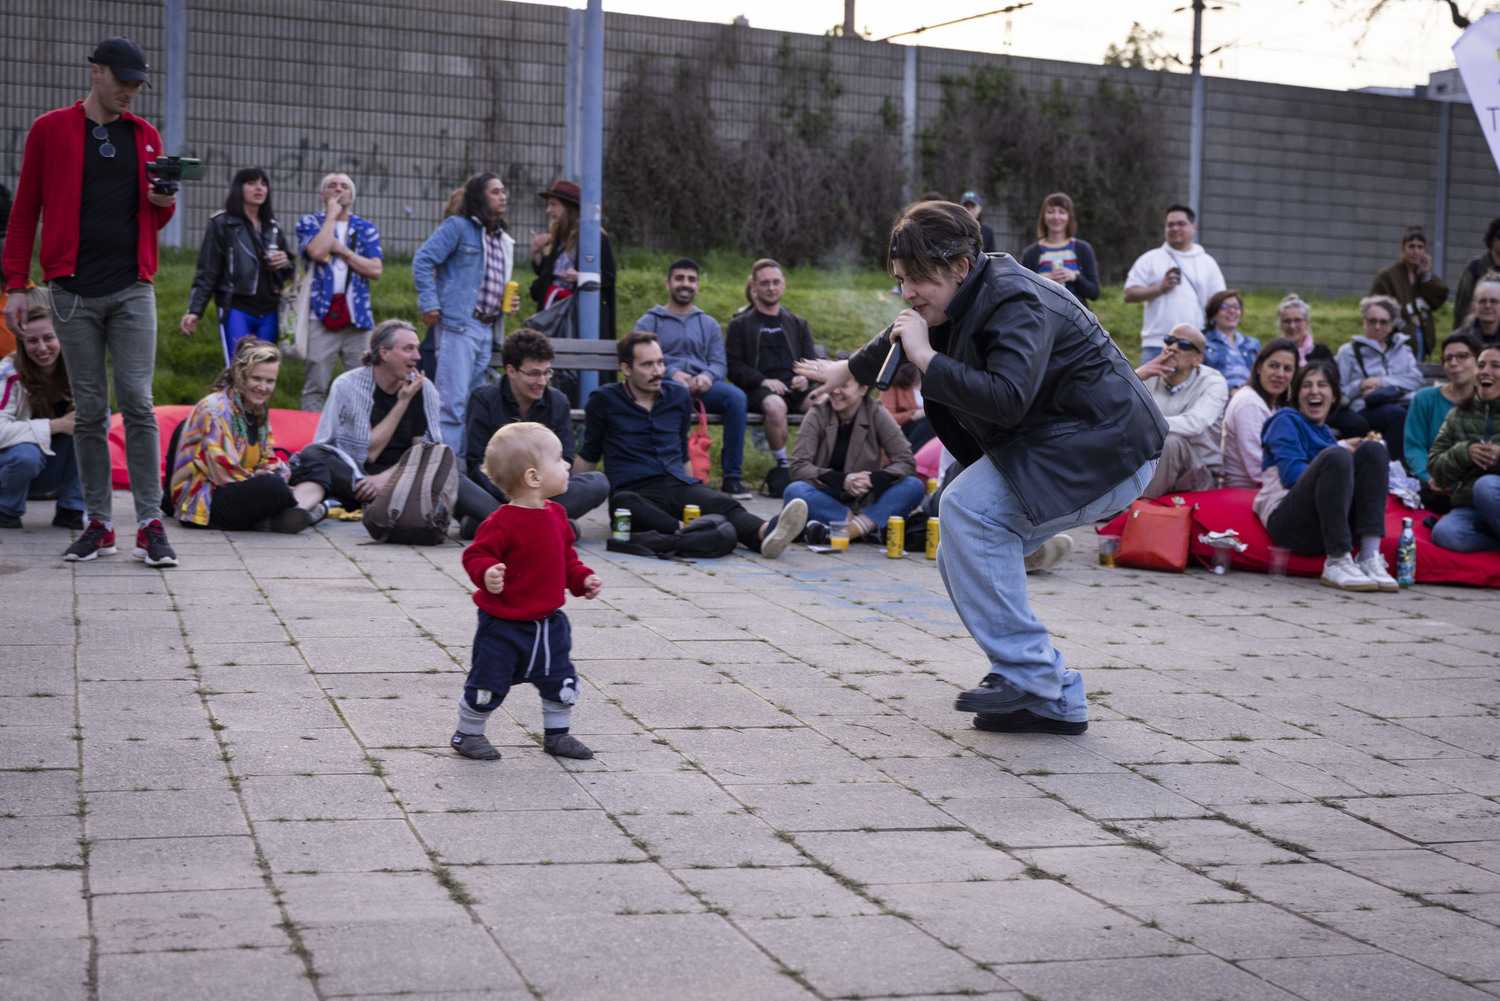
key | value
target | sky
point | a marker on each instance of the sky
(1309, 43)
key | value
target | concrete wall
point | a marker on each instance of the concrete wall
(1303, 189)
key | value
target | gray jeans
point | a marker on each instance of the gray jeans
(123, 326)
(324, 347)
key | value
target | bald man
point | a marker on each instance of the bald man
(1192, 397)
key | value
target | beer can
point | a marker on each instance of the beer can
(620, 524)
(689, 513)
(895, 537)
(512, 297)
(932, 485)
(932, 538)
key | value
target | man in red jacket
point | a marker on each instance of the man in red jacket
(84, 175)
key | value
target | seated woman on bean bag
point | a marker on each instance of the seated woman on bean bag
(1250, 407)
(1379, 373)
(1431, 406)
(1315, 488)
(1466, 459)
(226, 473)
(36, 426)
(836, 465)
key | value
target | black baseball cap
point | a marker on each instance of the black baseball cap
(126, 59)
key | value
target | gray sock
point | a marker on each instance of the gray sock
(1369, 547)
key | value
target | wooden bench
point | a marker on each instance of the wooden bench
(600, 356)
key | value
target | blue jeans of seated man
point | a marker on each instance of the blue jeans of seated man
(728, 400)
(25, 468)
(822, 505)
(463, 365)
(986, 539)
(1473, 529)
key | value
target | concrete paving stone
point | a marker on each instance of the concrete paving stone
(340, 845)
(631, 642)
(186, 813)
(1359, 769)
(38, 842)
(1143, 979)
(525, 836)
(188, 919)
(358, 656)
(1387, 698)
(1029, 752)
(226, 975)
(747, 651)
(1124, 741)
(1360, 977)
(607, 673)
(1312, 887)
(938, 779)
(1128, 877)
(1275, 761)
(59, 972)
(38, 710)
(41, 668)
(133, 665)
(1419, 871)
(1201, 717)
(387, 625)
(142, 865)
(1322, 828)
(164, 761)
(291, 677)
(1208, 842)
(1433, 819)
(1480, 776)
(39, 794)
(1026, 921)
(668, 957)
(868, 956)
(882, 857)
(693, 705)
(1119, 796)
(1476, 734)
(1484, 853)
(656, 793)
(1249, 931)
(269, 652)
(695, 627)
(414, 956)
(270, 712)
(337, 899)
(717, 840)
(1025, 823)
(840, 807)
(792, 892)
(318, 797)
(1471, 689)
(889, 735)
(794, 675)
(508, 895)
(42, 904)
(1215, 784)
(824, 701)
(1400, 741)
(33, 747)
(446, 782)
(1456, 944)
(1484, 906)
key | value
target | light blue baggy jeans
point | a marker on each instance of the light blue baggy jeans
(986, 539)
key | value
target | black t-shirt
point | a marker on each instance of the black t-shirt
(413, 426)
(775, 361)
(267, 297)
(108, 229)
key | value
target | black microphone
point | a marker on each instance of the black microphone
(893, 361)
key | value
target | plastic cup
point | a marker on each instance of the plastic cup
(1108, 544)
(1279, 558)
(1223, 556)
(838, 536)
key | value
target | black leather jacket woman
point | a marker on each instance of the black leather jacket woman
(230, 264)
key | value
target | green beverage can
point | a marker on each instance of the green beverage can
(620, 524)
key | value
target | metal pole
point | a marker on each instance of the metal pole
(592, 148)
(909, 123)
(572, 96)
(849, 19)
(1440, 223)
(176, 111)
(1195, 141)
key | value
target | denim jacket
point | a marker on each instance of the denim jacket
(1216, 352)
(449, 268)
(364, 240)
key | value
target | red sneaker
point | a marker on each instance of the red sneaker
(96, 540)
(151, 545)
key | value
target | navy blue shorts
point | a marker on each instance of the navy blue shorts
(507, 652)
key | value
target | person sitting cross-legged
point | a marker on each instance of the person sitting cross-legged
(1466, 459)
(852, 463)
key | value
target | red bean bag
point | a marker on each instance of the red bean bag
(292, 429)
(1220, 510)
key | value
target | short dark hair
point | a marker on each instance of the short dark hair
(1062, 201)
(234, 202)
(1272, 347)
(525, 343)
(1192, 216)
(625, 349)
(929, 236)
(476, 205)
(1463, 337)
(682, 264)
(1328, 368)
(1492, 232)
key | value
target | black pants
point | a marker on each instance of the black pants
(656, 505)
(918, 432)
(1337, 498)
(332, 470)
(236, 507)
(1390, 421)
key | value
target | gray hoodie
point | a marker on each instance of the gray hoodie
(691, 344)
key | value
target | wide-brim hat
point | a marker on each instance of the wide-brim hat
(124, 58)
(564, 191)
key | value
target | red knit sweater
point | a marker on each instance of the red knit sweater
(536, 546)
(51, 188)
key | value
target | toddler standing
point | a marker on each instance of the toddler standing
(521, 559)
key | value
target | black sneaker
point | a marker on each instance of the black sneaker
(151, 545)
(777, 480)
(816, 533)
(994, 695)
(95, 541)
(467, 528)
(732, 487)
(10, 521)
(66, 517)
(565, 745)
(1026, 721)
(474, 745)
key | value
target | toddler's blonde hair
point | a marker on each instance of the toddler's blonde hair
(512, 450)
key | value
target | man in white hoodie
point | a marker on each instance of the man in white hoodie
(1175, 281)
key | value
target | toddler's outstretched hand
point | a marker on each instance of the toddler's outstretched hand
(591, 585)
(494, 578)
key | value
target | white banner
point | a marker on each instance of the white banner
(1478, 54)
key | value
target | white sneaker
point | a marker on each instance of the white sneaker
(1343, 574)
(1051, 553)
(1375, 569)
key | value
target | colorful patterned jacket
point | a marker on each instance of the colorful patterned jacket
(212, 452)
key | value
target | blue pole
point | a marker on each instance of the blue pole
(591, 145)
(176, 110)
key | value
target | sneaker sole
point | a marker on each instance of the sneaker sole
(101, 551)
(1364, 588)
(145, 557)
(1028, 722)
(793, 521)
(984, 702)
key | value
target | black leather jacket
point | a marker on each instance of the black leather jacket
(1027, 377)
(229, 262)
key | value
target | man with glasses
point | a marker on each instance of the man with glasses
(83, 176)
(1175, 281)
(1192, 397)
(523, 395)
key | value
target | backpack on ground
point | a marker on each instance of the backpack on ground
(706, 538)
(416, 504)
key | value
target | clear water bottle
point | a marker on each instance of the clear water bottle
(1406, 555)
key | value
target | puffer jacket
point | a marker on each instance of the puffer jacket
(229, 262)
(1448, 462)
(1026, 377)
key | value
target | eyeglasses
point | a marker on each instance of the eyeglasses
(108, 149)
(1228, 306)
(1372, 321)
(1457, 356)
(536, 374)
(1487, 302)
(1180, 342)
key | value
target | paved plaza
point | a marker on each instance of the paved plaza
(231, 781)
